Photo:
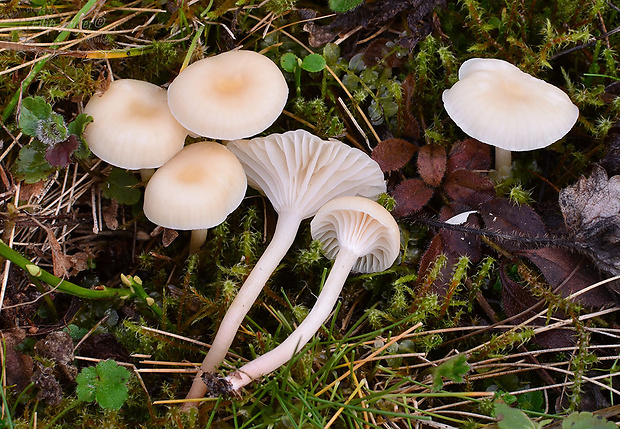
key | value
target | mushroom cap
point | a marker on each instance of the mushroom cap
(132, 126)
(500, 105)
(299, 171)
(229, 96)
(362, 226)
(197, 189)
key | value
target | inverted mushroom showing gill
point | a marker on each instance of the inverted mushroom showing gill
(229, 96)
(361, 236)
(196, 190)
(132, 126)
(299, 173)
(500, 105)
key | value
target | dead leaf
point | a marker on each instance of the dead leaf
(393, 154)
(591, 210)
(407, 123)
(432, 164)
(110, 215)
(440, 285)
(469, 154)
(19, 366)
(50, 391)
(519, 300)
(469, 187)
(460, 243)
(411, 195)
(567, 273)
(58, 347)
(167, 235)
(611, 161)
(370, 16)
(502, 216)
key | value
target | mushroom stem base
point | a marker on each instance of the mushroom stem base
(277, 357)
(197, 239)
(503, 162)
(284, 235)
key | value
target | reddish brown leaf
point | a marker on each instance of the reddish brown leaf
(567, 272)
(469, 154)
(407, 123)
(411, 195)
(59, 155)
(439, 286)
(432, 164)
(503, 216)
(18, 365)
(459, 243)
(520, 305)
(393, 154)
(469, 187)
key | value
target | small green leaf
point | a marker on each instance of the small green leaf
(31, 166)
(36, 119)
(105, 383)
(313, 63)
(289, 62)
(586, 420)
(76, 127)
(342, 6)
(511, 418)
(331, 53)
(120, 186)
(453, 369)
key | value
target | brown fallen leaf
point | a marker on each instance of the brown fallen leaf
(393, 154)
(18, 365)
(469, 154)
(407, 123)
(432, 164)
(460, 243)
(469, 187)
(411, 195)
(502, 216)
(591, 210)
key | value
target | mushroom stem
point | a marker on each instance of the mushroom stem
(284, 235)
(197, 239)
(146, 174)
(503, 161)
(277, 357)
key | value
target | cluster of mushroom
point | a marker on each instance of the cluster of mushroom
(140, 126)
(301, 174)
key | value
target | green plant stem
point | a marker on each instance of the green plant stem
(135, 285)
(58, 283)
(39, 65)
(62, 413)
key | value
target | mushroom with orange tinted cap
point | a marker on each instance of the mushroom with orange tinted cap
(132, 126)
(228, 96)
(361, 236)
(500, 105)
(196, 190)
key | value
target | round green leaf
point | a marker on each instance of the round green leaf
(289, 62)
(313, 63)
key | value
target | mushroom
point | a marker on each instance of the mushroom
(196, 190)
(298, 172)
(132, 126)
(229, 96)
(500, 105)
(362, 237)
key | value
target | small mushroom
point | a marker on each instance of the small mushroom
(229, 96)
(299, 173)
(500, 105)
(362, 237)
(132, 126)
(196, 190)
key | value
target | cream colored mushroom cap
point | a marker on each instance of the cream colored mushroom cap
(197, 189)
(362, 226)
(500, 105)
(229, 96)
(132, 126)
(299, 171)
